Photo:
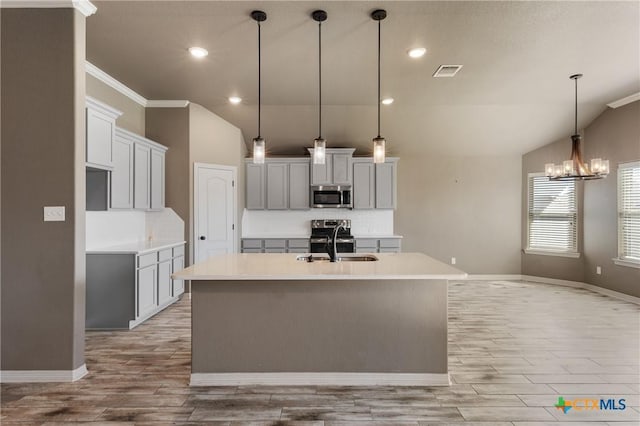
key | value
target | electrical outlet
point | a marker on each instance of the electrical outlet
(598, 270)
(453, 260)
(54, 214)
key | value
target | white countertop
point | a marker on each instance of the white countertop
(232, 267)
(140, 247)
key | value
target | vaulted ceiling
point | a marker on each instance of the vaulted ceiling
(512, 95)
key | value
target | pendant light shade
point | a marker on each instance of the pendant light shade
(379, 149)
(575, 168)
(319, 143)
(259, 146)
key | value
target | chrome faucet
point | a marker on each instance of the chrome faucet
(332, 244)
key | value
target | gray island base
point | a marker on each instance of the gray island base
(267, 319)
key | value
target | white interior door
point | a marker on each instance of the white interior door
(215, 210)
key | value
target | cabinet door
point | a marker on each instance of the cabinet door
(299, 186)
(100, 132)
(178, 285)
(157, 179)
(363, 185)
(122, 174)
(255, 186)
(141, 181)
(341, 169)
(322, 174)
(164, 282)
(386, 186)
(146, 290)
(277, 186)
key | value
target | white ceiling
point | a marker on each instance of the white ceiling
(512, 95)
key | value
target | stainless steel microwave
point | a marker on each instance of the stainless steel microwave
(323, 196)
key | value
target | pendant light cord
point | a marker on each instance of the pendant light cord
(259, 80)
(319, 80)
(576, 109)
(379, 26)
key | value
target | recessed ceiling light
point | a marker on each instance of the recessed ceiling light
(417, 52)
(387, 101)
(235, 100)
(198, 52)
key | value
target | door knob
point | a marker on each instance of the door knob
(202, 237)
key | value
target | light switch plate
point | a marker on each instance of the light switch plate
(54, 214)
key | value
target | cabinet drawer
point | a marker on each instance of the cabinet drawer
(275, 244)
(147, 259)
(389, 243)
(164, 255)
(251, 250)
(252, 244)
(366, 243)
(299, 243)
(389, 250)
(274, 250)
(178, 251)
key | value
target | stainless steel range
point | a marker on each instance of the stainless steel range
(321, 233)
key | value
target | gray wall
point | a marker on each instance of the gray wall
(614, 135)
(43, 163)
(462, 207)
(133, 114)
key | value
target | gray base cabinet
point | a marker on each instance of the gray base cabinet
(125, 289)
(378, 245)
(275, 245)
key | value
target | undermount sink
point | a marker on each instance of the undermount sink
(363, 258)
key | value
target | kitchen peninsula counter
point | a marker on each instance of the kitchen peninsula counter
(269, 319)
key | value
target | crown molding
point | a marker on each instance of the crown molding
(115, 84)
(83, 6)
(624, 101)
(167, 104)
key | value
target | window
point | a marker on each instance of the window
(552, 221)
(629, 214)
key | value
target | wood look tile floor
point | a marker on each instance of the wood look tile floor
(514, 347)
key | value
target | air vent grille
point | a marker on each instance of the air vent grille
(447, 70)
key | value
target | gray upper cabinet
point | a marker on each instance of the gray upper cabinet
(157, 179)
(386, 184)
(122, 174)
(336, 170)
(277, 186)
(299, 185)
(255, 176)
(101, 127)
(142, 172)
(364, 190)
(374, 185)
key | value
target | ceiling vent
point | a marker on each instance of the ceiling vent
(447, 70)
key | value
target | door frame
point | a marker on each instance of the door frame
(196, 200)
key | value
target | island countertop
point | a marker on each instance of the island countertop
(268, 266)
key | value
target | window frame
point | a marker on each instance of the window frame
(574, 253)
(621, 259)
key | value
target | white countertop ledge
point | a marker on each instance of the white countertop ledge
(140, 247)
(268, 266)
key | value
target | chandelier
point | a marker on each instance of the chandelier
(575, 168)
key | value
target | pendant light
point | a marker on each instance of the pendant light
(258, 142)
(319, 144)
(575, 168)
(379, 142)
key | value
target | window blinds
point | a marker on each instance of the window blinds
(552, 215)
(629, 211)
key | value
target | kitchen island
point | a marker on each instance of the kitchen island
(270, 319)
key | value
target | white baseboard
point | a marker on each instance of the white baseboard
(319, 379)
(554, 281)
(137, 322)
(41, 376)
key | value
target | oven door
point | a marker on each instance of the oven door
(343, 245)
